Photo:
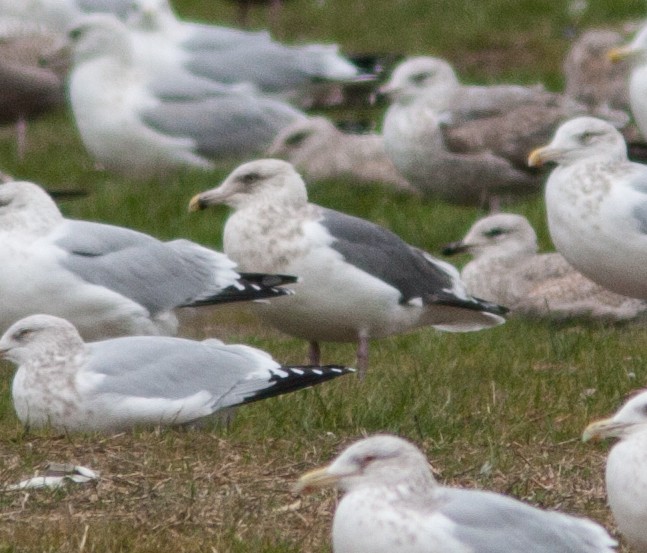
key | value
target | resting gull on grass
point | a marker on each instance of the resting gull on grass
(319, 151)
(393, 504)
(107, 280)
(626, 480)
(596, 204)
(507, 269)
(167, 44)
(357, 280)
(143, 126)
(69, 385)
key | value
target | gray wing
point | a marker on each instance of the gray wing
(158, 275)
(231, 125)
(175, 368)
(272, 67)
(491, 523)
(386, 256)
(201, 36)
(121, 8)
(172, 368)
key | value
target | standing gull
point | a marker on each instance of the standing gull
(596, 203)
(116, 384)
(426, 101)
(507, 269)
(357, 280)
(625, 474)
(107, 280)
(392, 504)
(636, 52)
(142, 126)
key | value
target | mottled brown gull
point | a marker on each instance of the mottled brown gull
(507, 269)
(357, 280)
(596, 204)
(107, 280)
(393, 504)
(69, 385)
(426, 101)
(626, 480)
(319, 150)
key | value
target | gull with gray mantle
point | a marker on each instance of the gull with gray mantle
(393, 504)
(626, 479)
(596, 204)
(142, 125)
(69, 385)
(107, 280)
(357, 280)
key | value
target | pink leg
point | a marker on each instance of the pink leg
(314, 353)
(21, 137)
(362, 355)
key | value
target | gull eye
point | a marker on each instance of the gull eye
(23, 333)
(75, 34)
(297, 138)
(366, 460)
(250, 178)
(494, 232)
(419, 78)
(588, 136)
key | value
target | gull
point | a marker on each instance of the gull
(427, 100)
(507, 269)
(357, 280)
(596, 204)
(69, 385)
(626, 481)
(107, 280)
(392, 503)
(28, 88)
(320, 151)
(636, 52)
(231, 56)
(142, 127)
(591, 77)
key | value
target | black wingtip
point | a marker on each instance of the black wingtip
(257, 287)
(298, 377)
(263, 279)
(475, 304)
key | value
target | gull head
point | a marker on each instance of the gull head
(26, 206)
(581, 139)
(39, 336)
(635, 51)
(495, 235)
(380, 460)
(260, 182)
(422, 76)
(307, 133)
(630, 419)
(149, 15)
(99, 35)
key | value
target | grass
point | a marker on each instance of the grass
(500, 409)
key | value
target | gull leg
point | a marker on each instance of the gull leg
(362, 355)
(314, 353)
(21, 137)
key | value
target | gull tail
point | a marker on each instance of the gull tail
(249, 287)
